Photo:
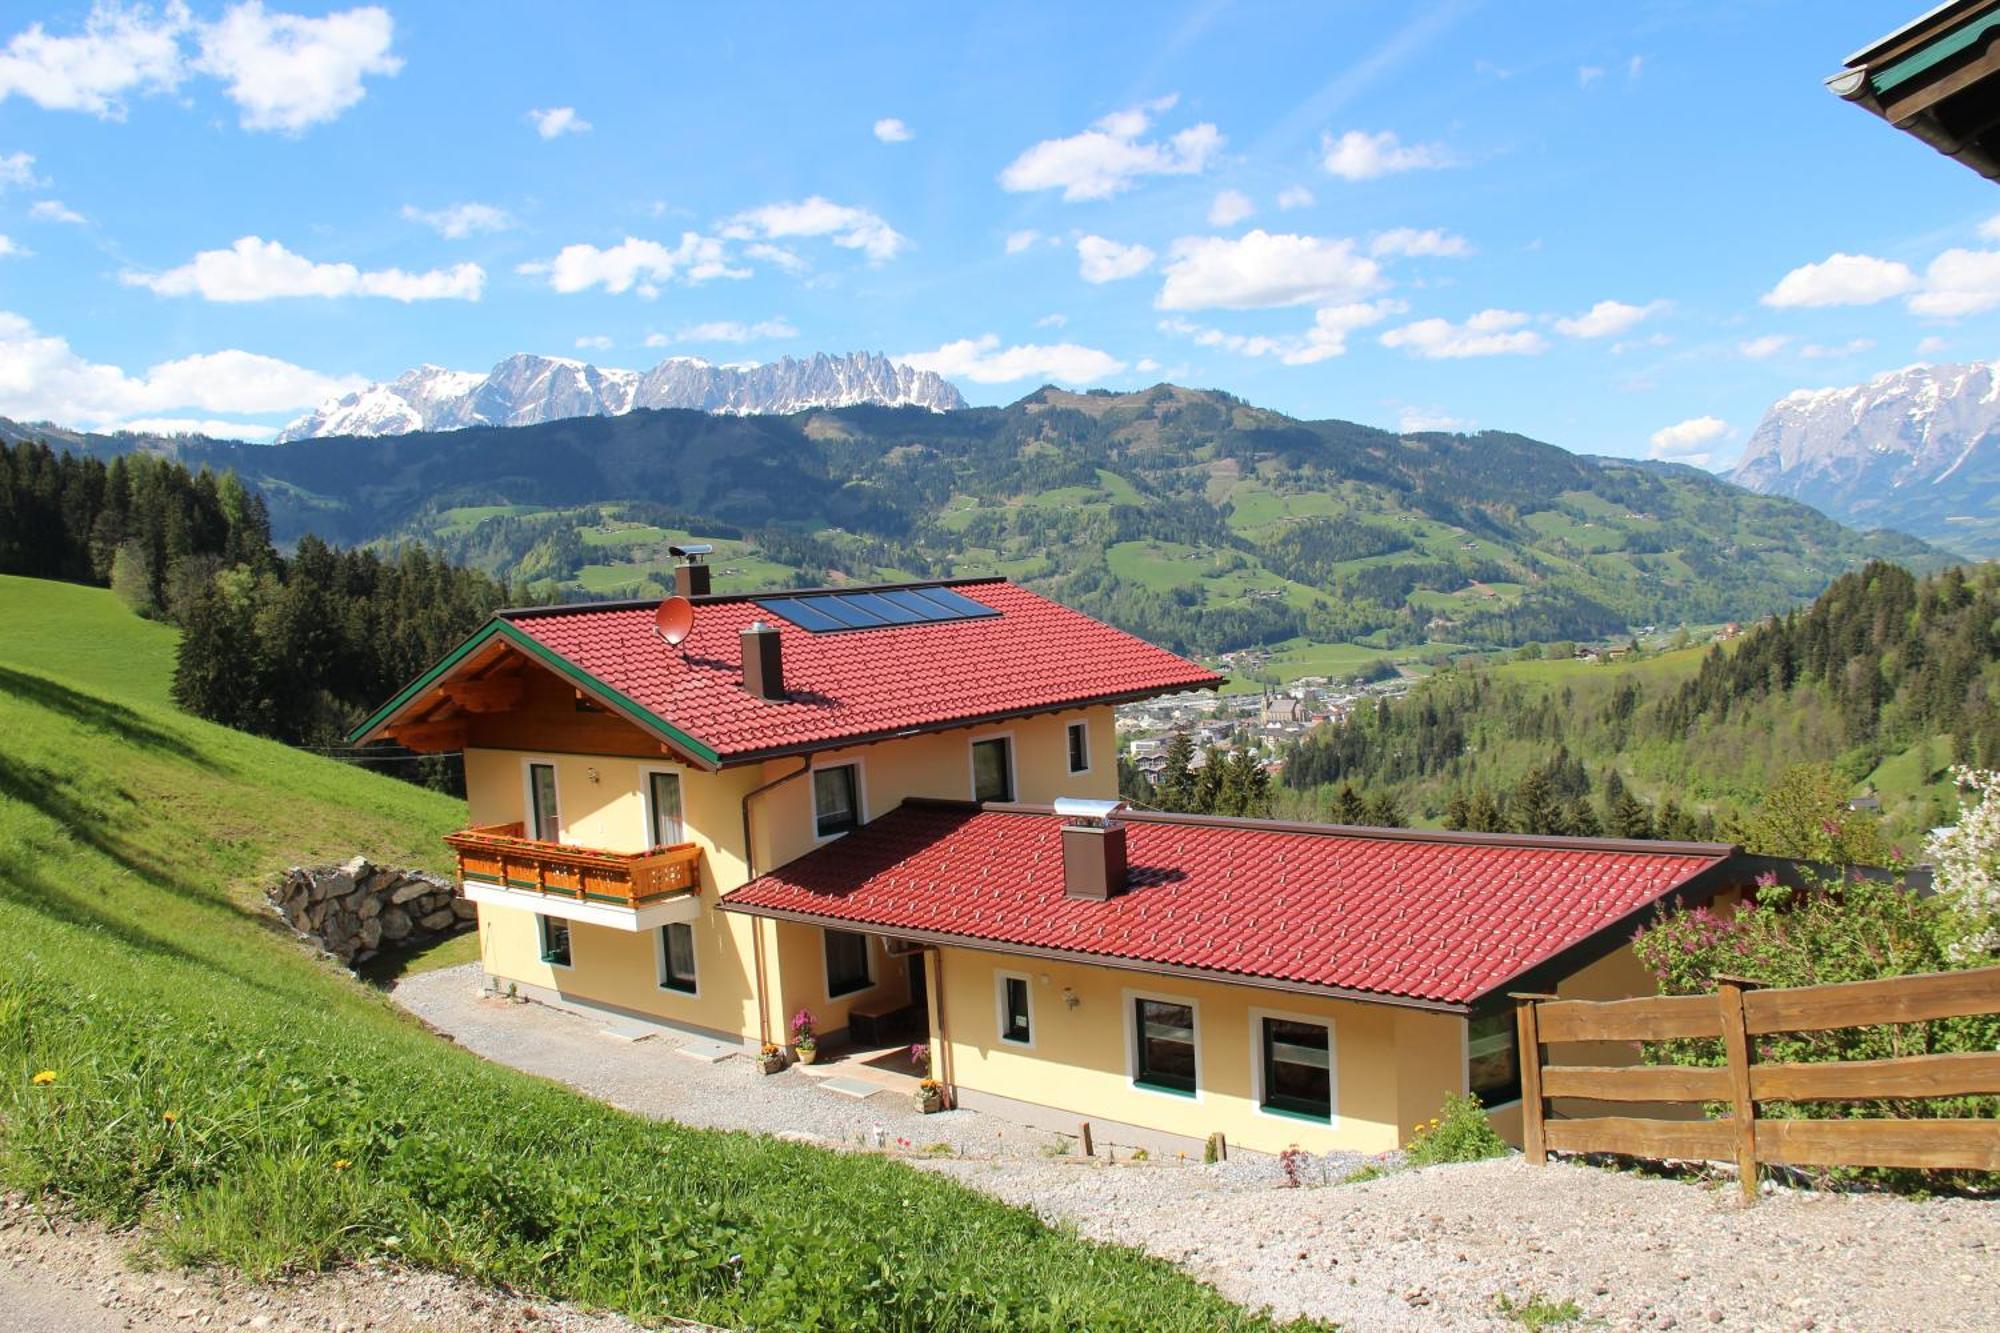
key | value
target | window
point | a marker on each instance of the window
(677, 957)
(836, 803)
(1493, 1056)
(663, 808)
(544, 819)
(1165, 1046)
(1079, 747)
(1298, 1068)
(846, 963)
(993, 770)
(1015, 1026)
(555, 940)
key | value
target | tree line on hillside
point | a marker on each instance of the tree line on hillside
(1232, 783)
(297, 648)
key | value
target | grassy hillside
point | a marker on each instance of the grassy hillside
(168, 1057)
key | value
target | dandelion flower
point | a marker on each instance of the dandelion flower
(170, 1116)
(43, 1078)
(342, 1164)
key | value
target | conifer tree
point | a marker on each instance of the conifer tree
(1208, 782)
(1458, 811)
(1484, 813)
(1176, 785)
(1383, 812)
(1625, 815)
(1532, 808)
(1580, 819)
(1348, 807)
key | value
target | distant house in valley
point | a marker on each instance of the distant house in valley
(897, 808)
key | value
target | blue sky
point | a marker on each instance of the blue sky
(1621, 228)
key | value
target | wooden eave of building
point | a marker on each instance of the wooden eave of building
(1935, 79)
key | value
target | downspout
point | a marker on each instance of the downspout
(750, 873)
(941, 1068)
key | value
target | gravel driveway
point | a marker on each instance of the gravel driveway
(1416, 1250)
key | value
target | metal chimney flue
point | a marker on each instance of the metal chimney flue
(691, 575)
(1093, 846)
(763, 661)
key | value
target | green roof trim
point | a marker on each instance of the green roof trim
(633, 710)
(1928, 57)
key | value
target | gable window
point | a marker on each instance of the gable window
(836, 800)
(1079, 747)
(677, 957)
(663, 808)
(846, 963)
(544, 818)
(554, 933)
(993, 770)
(1298, 1068)
(1493, 1057)
(1165, 1046)
(1016, 1025)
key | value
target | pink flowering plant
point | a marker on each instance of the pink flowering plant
(805, 1034)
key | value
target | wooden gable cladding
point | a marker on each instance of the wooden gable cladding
(549, 714)
(486, 694)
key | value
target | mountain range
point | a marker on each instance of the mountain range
(528, 390)
(1916, 449)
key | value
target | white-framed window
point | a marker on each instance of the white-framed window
(1294, 1070)
(849, 968)
(664, 826)
(541, 809)
(993, 767)
(553, 934)
(1163, 1043)
(837, 799)
(1014, 1002)
(1078, 734)
(677, 969)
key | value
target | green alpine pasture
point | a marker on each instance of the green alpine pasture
(171, 1061)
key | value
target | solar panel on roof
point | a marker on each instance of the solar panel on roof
(828, 612)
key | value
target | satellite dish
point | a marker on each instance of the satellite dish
(674, 620)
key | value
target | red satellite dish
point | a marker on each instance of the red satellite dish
(674, 619)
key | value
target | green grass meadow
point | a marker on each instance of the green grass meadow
(170, 1060)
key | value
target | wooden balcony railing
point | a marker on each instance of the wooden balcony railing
(499, 854)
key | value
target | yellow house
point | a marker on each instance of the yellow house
(896, 809)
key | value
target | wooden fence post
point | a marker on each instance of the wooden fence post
(1529, 1053)
(1736, 1048)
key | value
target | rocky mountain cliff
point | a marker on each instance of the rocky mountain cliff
(1916, 449)
(528, 390)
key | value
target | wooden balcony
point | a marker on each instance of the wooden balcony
(500, 854)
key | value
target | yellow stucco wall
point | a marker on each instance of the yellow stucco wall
(1393, 1066)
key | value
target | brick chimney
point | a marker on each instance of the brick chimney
(1093, 847)
(763, 661)
(691, 580)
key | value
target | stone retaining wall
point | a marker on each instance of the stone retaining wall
(352, 911)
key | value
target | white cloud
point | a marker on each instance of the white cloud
(55, 210)
(1295, 196)
(555, 121)
(1841, 279)
(1359, 156)
(1688, 441)
(1588, 74)
(1054, 320)
(1325, 338)
(457, 221)
(726, 331)
(286, 72)
(983, 361)
(1990, 228)
(1931, 346)
(254, 269)
(1145, 365)
(1420, 244)
(1230, 207)
(221, 430)
(634, 264)
(17, 170)
(778, 255)
(1488, 333)
(594, 342)
(846, 226)
(1260, 269)
(1764, 346)
(1833, 351)
(891, 130)
(1607, 319)
(1102, 260)
(1418, 420)
(1109, 157)
(1959, 282)
(120, 50)
(1024, 239)
(41, 378)
(10, 250)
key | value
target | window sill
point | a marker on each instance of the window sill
(1191, 1094)
(672, 989)
(1309, 1117)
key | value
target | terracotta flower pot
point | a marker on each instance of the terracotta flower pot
(808, 1054)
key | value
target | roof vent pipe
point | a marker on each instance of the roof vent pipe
(1093, 846)
(763, 661)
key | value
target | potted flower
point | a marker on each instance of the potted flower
(930, 1092)
(772, 1058)
(805, 1043)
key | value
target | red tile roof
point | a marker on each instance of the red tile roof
(1427, 917)
(1034, 656)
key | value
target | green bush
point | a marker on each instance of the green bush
(1459, 1133)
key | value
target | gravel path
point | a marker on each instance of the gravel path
(1415, 1250)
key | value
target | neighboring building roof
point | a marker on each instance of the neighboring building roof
(1934, 78)
(1024, 654)
(1440, 919)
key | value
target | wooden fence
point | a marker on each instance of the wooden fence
(1736, 1013)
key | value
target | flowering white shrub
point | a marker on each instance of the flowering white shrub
(1967, 857)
